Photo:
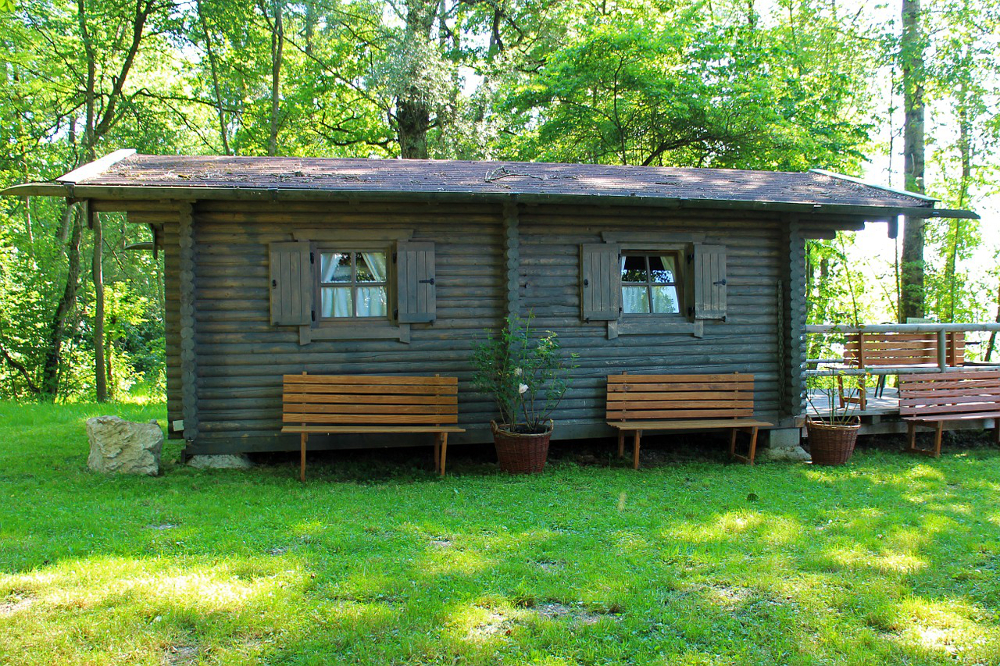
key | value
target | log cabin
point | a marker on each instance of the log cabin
(280, 265)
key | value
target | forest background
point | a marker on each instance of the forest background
(903, 94)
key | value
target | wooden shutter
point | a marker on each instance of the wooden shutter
(709, 281)
(600, 282)
(416, 296)
(291, 284)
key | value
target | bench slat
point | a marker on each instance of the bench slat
(340, 419)
(391, 380)
(668, 379)
(680, 414)
(675, 395)
(368, 429)
(682, 386)
(367, 389)
(689, 424)
(339, 408)
(626, 405)
(407, 399)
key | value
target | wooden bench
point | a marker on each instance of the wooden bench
(902, 350)
(340, 404)
(960, 395)
(638, 403)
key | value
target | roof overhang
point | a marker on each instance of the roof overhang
(125, 194)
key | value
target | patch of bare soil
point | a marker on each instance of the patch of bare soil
(16, 603)
(180, 655)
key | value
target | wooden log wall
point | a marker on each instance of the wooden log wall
(242, 357)
(483, 252)
(746, 342)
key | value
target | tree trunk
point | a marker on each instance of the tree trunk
(911, 297)
(413, 113)
(413, 119)
(67, 303)
(213, 66)
(277, 44)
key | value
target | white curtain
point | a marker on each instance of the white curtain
(373, 301)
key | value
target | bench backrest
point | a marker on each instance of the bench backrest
(666, 397)
(956, 392)
(369, 400)
(871, 350)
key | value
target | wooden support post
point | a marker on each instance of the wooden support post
(942, 350)
(302, 471)
(437, 452)
(100, 368)
(444, 451)
(621, 443)
(635, 449)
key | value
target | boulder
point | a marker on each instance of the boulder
(117, 445)
(784, 454)
(220, 462)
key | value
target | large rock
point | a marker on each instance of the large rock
(220, 462)
(123, 446)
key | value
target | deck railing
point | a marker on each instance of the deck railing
(940, 364)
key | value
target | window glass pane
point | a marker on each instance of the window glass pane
(662, 269)
(372, 302)
(336, 302)
(371, 266)
(635, 300)
(665, 300)
(335, 267)
(633, 268)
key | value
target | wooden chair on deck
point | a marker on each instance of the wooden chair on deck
(909, 350)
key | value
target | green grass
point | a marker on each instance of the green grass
(890, 559)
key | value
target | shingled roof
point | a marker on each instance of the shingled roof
(125, 174)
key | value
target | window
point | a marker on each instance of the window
(353, 284)
(651, 283)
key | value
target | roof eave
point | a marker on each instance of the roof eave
(126, 193)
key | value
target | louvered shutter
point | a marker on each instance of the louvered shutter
(416, 296)
(709, 281)
(291, 284)
(600, 282)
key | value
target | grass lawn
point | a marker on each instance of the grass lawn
(891, 559)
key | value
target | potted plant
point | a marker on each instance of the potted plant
(832, 435)
(526, 377)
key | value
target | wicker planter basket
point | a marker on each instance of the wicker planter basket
(519, 453)
(832, 444)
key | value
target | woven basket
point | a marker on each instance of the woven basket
(832, 444)
(521, 453)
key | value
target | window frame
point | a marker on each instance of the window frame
(352, 248)
(679, 283)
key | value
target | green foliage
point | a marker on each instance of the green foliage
(525, 375)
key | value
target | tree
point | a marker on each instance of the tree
(911, 56)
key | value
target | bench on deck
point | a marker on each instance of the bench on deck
(645, 403)
(961, 395)
(900, 350)
(341, 404)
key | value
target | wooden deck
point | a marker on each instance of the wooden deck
(882, 414)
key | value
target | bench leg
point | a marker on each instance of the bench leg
(621, 443)
(996, 431)
(937, 438)
(302, 470)
(444, 451)
(911, 435)
(732, 442)
(635, 449)
(753, 443)
(437, 452)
